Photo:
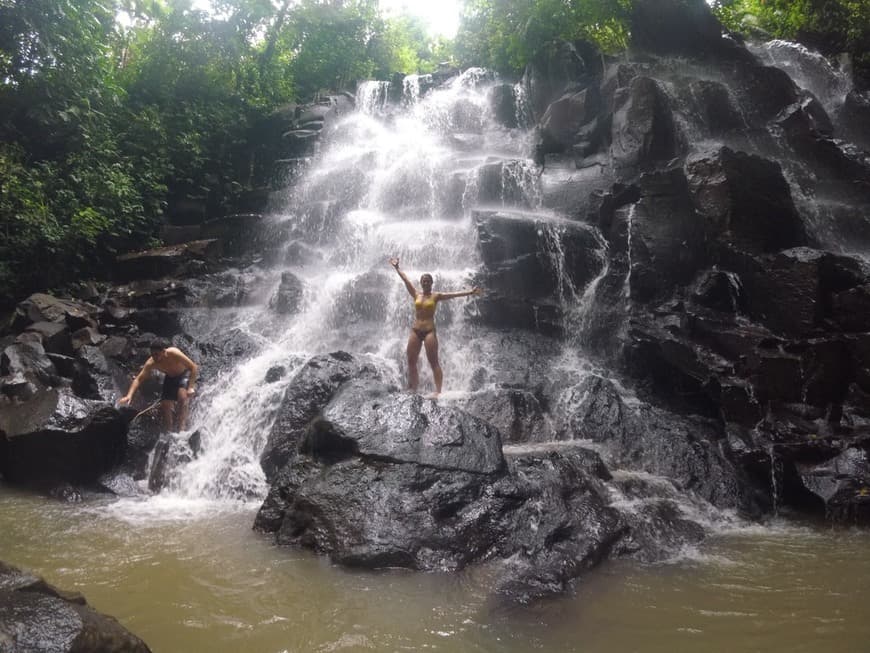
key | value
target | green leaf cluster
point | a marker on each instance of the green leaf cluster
(116, 113)
(508, 34)
(830, 26)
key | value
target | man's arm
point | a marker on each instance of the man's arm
(460, 293)
(143, 374)
(190, 365)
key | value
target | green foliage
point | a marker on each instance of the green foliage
(331, 43)
(107, 125)
(70, 195)
(832, 26)
(507, 34)
(405, 46)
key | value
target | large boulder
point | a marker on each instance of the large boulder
(288, 297)
(687, 450)
(841, 484)
(25, 368)
(389, 479)
(35, 616)
(556, 69)
(57, 437)
(675, 27)
(563, 119)
(665, 236)
(306, 395)
(511, 182)
(518, 414)
(372, 420)
(744, 200)
(42, 307)
(533, 266)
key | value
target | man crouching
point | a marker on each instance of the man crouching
(179, 383)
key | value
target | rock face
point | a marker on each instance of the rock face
(375, 478)
(312, 387)
(58, 437)
(34, 616)
(528, 281)
(386, 479)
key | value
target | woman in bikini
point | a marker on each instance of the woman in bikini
(423, 331)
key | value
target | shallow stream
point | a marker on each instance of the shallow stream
(204, 581)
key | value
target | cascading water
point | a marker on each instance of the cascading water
(387, 182)
(810, 70)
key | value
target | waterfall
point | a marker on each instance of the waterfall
(372, 96)
(386, 182)
(809, 70)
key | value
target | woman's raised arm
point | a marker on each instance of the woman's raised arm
(410, 286)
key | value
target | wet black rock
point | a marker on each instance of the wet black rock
(142, 437)
(120, 484)
(518, 414)
(275, 373)
(402, 481)
(171, 453)
(372, 420)
(666, 238)
(306, 395)
(506, 183)
(54, 336)
(28, 361)
(172, 261)
(855, 116)
(564, 118)
(504, 105)
(644, 133)
(525, 276)
(41, 307)
(744, 201)
(35, 616)
(58, 437)
(842, 485)
(363, 299)
(719, 290)
(556, 69)
(288, 297)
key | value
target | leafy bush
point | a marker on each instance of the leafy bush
(830, 26)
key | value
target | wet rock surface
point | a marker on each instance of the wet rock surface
(374, 477)
(386, 479)
(58, 437)
(35, 616)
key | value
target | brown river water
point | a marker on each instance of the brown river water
(195, 577)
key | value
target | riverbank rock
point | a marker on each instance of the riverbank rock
(36, 617)
(57, 437)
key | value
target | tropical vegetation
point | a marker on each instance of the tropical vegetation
(117, 113)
